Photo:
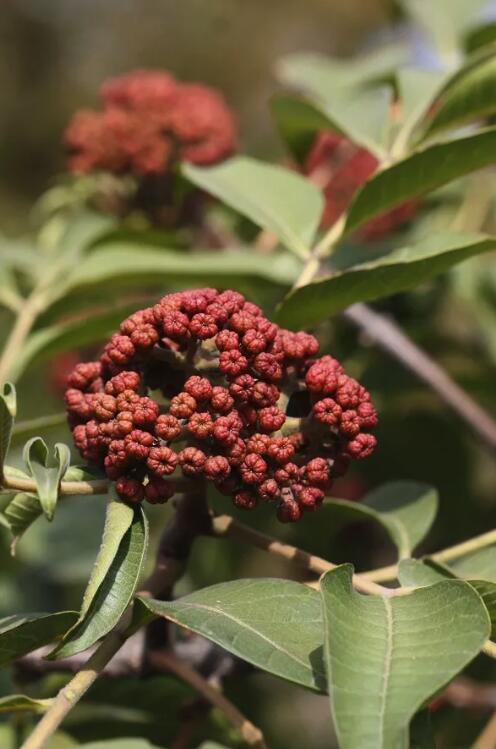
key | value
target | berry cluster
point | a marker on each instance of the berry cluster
(238, 401)
(341, 168)
(149, 120)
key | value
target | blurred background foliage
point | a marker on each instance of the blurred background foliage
(53, 56)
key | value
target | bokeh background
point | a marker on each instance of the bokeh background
(53, 56)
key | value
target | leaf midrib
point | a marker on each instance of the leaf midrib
(388, 661)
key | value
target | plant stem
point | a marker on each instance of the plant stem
(386, 574)
(79, 487)
(75, 689)
(250, 733)
(225, 526)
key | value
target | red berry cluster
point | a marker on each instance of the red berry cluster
(148, 121)
(238, 401)
(341, 168)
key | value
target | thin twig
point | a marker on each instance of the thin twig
(386, 574)
(250, 733)
(487, 739)
(79, 487)
(226, 526)
(385, 333)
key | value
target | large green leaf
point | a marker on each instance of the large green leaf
(386, 656)
(274, 624)
(417, 89)
(418, 573)
(333, 76)
(8, 408)
(118, 519)
(20, 703)
(469, 96)
(131, 265)
(47, 470)
(444, 21)
(479, 564)
(337, 90)
(405, 509)
(113, 583)
(400, 270)
(26, 632)
(274, 198)
(423, 171)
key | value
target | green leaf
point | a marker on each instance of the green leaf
(274, 624)
(386, 656)
(337, 90)
(274, 198)
(113, 582)
(21, 634)
(21, 512)
(422, 172)
(338, 77)
(480, 36)
(47, 470)
(444, 21)
(20, 703)
(418, 90)
(127, 265)
(8, 408)
(405, 509)
(479, 564)
(333, 75)
(419, 573)
(118, 519)
(470, 95)
(400, 270)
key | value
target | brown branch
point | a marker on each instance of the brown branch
(250, 733)
(385, 333)
(225, 526)
(79, 487)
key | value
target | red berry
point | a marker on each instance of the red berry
(270, 419)
(217, 467)
(192, 461)
(162, 461)
(167, 427)
(253, 469)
